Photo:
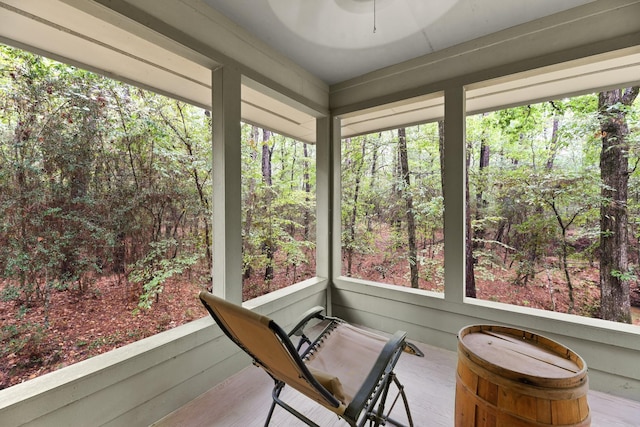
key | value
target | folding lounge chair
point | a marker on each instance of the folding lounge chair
(345, 369)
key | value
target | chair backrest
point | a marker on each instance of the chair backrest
(268, 345)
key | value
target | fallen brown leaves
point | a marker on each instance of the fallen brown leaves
(81, 325)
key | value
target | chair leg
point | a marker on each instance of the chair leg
(404, 400)
(277, 389)
(295, 413)
(379, 416)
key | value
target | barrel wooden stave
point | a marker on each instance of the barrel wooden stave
(489, 395)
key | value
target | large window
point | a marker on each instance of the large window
(104, 214)
(278, 188)
(392, 207)
(554, 206)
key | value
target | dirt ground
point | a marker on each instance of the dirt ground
(78, 326)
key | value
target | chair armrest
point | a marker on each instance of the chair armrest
(385, 361)
(312, 313)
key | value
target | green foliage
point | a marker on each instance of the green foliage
(543, 186)
(624, 276)
(370, 165)
(159, 264)
(278, 217)
(88, 173)
(10, 293)
(22, 338)
(534, 205)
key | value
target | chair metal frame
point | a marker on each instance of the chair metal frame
(367, 405)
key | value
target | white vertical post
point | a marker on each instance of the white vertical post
(227, 210)
(324, 209)
(323, 198)
(336, 194)
(454, 193)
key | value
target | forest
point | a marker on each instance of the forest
(552, 205)
(105, 207)
(105, 201)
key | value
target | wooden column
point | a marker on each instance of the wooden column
(336, 198)
(454, 193)
(227, 188)
(324, 193)
(323, 198)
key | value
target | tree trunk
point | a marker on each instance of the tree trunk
(564, 225)
(307, 190)
(469, 275)
(354, 211)
(614, 171)
(406, 194)
(249, 206)
(267, 243)
(481, 203)
(553, 148)
(441, 149)
(78, 179)
(289, 156)
(374, 208)
(266, 158)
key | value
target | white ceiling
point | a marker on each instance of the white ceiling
(334, 39)
(81, 33)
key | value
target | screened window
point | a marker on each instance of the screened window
(392, 207)
(278, 213)
(554, 206)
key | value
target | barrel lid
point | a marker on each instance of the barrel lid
(522, 353)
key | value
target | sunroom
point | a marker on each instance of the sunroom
(192, 50)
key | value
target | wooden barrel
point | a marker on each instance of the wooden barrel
(508, 377)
